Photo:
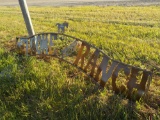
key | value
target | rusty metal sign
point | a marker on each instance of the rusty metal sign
(89, 59)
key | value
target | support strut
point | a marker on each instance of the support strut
(26, 16)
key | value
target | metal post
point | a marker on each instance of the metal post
(26, 16)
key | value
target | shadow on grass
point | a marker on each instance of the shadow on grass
(31, 89)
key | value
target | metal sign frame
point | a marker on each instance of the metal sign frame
(88, 59)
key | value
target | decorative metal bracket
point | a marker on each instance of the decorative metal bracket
(90, 60)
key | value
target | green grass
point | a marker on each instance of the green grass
(34, 89)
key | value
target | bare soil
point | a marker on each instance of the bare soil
(82, 2)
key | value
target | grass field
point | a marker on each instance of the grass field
(34, 89)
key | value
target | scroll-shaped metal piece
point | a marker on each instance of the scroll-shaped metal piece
(89, 60)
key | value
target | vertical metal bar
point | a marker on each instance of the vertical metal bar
(26, 16)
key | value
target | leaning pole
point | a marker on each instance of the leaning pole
(26, 16)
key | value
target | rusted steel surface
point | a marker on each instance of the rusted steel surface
(89, 59)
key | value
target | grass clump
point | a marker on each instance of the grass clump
(34, 89)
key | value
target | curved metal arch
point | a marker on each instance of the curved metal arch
(87, 58)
